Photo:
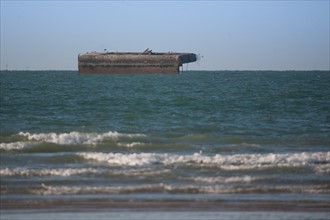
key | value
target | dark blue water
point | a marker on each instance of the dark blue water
(198, 135)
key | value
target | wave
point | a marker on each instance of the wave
(71, 138)
(67, 172)
(221, 179)
(322, 168)
(178, 189)
(19, 145)
(133, 144)
(47, 172)
(75, 138)
(227, 162)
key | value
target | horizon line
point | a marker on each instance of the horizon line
(237, 70)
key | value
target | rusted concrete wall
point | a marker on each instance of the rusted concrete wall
(134, 63)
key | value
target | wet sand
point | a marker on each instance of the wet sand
(163, 209)
(161, 215)
(166, 205)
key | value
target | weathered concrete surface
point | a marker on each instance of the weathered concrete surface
(134, 63)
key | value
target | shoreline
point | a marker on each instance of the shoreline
(166, 210)
(171, 205)
(185, 215)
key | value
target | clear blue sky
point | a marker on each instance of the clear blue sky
(231, 35)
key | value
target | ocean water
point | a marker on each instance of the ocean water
(231, 140)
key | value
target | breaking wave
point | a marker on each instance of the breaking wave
(67, 172)
(19, 145)
(133, 144)
(179, 189)
(221, 179)
(227, 162)
(71, 138)
(47, 172)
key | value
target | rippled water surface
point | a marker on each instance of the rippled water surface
(198, 135)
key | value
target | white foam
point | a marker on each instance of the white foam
(76, 138)
(19, 145)
(229, 162)
(322, 168)
(65, 172)
(133, 144)
(221, 179)
(123, 159)
(47, 172)
(170, 188)
(64, 190)
(140, 172)
(219, 189)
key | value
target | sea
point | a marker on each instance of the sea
(195, 145)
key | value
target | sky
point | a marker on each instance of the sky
(229, 35)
